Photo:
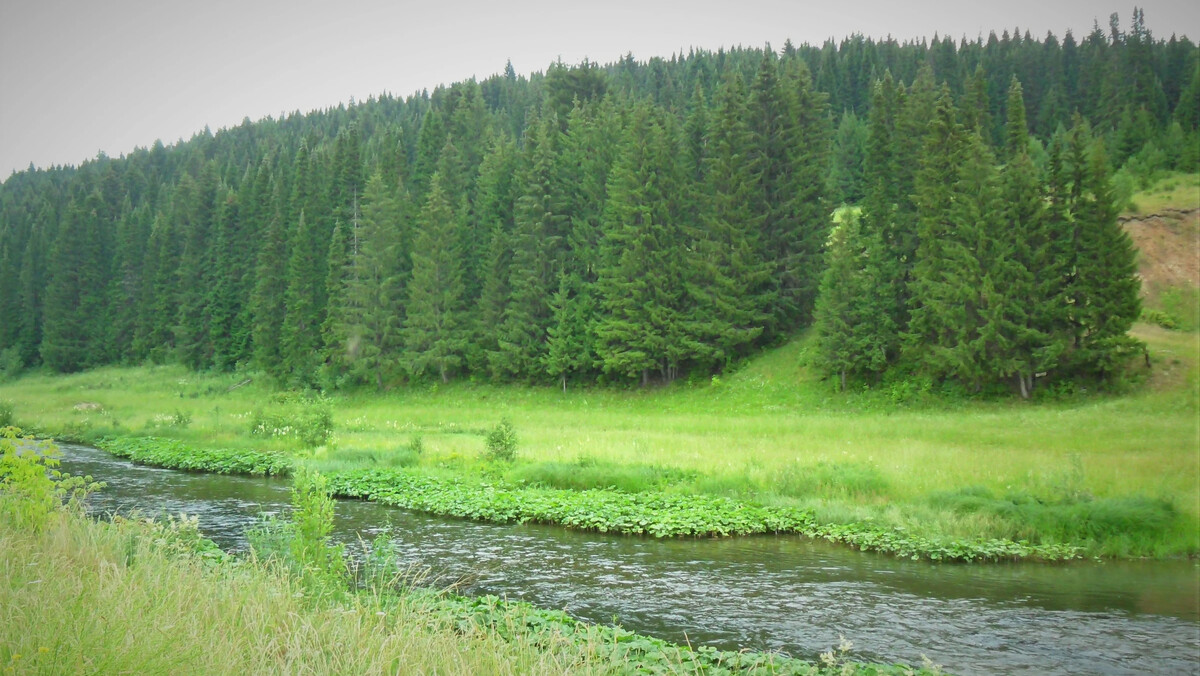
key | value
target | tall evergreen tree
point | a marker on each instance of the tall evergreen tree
(434, 337)
(268, 311)
(854, 326)
(641, 278)
(363, 330)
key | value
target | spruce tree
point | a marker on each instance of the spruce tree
(539, 247)
(1105, 294)
(641, 275)
(853, 323)
(363, 330)
(728, 282)
(434, 337)
(494, 215)
(267, 310)
(937, 311)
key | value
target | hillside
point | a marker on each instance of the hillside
(633, 222)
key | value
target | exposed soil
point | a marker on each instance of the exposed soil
(1169, 243)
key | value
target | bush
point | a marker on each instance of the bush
(1160, 318)
(309, 421)
(6, 414)
(502, 442)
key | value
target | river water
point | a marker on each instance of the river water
(764, 593)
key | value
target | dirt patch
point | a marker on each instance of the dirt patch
(1169, 243)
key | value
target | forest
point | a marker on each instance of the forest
(942, 210)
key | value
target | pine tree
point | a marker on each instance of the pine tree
(938, 314)
(568, 340)
(848, 160)
(853, 323)
(494, 215)
(640, 280)
(728, 282)
(267, 309)
(1034, 226)
(193, 212)
(300, 335)
(75, 321)
(363, 330)
(539, 247)
(434, 337)
(1105, 294)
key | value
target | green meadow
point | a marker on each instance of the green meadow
(1114, 473)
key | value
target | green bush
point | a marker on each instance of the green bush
(502, 442)
(6, 414)
(309, 421)
(1160, 318)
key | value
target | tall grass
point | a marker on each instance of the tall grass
(97, 598)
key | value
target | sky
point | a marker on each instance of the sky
(79, 77)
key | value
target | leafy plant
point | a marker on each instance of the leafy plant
(174, 454)
(6, 414)
(502, 442)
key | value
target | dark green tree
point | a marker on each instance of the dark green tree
(434, 337)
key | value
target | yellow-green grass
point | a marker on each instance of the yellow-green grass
(760, 433)
(1176, 191)
(83, 597)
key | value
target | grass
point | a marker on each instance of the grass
(770, 432)
(1175, 191)
(91, 598)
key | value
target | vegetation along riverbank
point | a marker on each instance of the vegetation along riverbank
(82, 595)
(1104, 474)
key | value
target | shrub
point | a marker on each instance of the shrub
(309, 421)
(502, 442)
(6, 414)
(1159, 318)
(181, 419)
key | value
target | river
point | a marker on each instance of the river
(764, 593)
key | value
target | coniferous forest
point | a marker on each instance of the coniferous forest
(634, 222)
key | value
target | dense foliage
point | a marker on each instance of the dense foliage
(633, 222)
(173, 454)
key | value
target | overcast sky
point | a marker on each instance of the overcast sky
(82, 76)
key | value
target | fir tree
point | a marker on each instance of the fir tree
(434, 338)
(854, 327)
(267, 309)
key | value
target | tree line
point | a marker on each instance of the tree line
(635, 222)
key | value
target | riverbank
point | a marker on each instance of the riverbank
(144, 597)
(1107, 474)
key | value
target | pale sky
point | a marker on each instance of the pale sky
(82, 76)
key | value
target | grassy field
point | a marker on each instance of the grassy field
(771, 432)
